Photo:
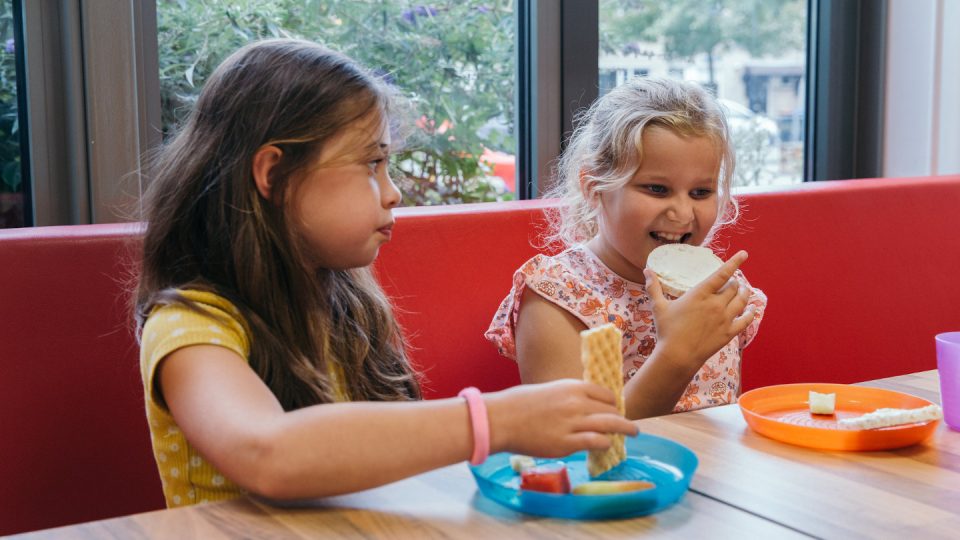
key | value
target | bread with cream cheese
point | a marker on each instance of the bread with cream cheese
(680, 267)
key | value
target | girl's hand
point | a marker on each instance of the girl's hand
(554, 419)
(695, 326)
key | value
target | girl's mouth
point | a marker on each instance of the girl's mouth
(670, 238)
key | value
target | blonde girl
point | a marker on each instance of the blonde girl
(271, 360)
(650, 164)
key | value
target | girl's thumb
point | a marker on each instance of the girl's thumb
(653, 286)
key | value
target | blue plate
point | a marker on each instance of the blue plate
(669, 465)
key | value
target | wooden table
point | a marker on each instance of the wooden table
(747, 486)
(913, 492)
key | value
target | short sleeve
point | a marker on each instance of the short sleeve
(556, 282)
(174, 326)
(759, 302)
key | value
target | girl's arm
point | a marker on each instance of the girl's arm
(236, 423)
(690, 331)
(547, 340)
(548, 348)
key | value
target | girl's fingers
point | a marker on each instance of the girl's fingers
(653, 288)
(743, 321)
(589, 440)
(729, 290)
(610, 422)
(599, 439)
(739, 300)
(600, 393)
(718, 279)
(614, 423)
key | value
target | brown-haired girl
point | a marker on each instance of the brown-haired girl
(649, 164)
(271, 361)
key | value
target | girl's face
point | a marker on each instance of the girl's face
(671, 198)
(343, 206)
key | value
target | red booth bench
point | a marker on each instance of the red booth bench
(860, 276)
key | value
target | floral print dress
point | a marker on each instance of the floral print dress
(577, 281)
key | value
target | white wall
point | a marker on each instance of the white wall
(948, 154)
(922, 102)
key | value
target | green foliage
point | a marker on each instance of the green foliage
(692, 27)
(452, 60)
(9, 126)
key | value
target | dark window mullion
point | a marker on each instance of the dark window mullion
(844, 135)
(580, 53)
(557, 47)
(22, 122)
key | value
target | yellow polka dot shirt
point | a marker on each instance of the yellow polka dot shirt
(186, 477)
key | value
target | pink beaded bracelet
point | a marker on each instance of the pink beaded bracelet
(480, 424)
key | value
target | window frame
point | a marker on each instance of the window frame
(845, 73)
(93, 87)
(22, 104)
(557, 68)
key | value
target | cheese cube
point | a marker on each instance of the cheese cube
(822, 403)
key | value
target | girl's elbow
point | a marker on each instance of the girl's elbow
(275, 475)
(278, 479)
(263, 471)
(283, 484)
(274, 488)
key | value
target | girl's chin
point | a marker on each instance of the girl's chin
(354, 263)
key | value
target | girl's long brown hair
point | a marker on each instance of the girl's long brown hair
(209, 229)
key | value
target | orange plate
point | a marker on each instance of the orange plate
(782, 412)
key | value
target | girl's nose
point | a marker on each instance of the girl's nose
(389, 193)
(681, 210)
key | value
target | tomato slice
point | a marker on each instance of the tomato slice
(548, 478)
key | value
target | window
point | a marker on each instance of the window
(875, 97)
(454, 62)
(14, 210)
(750, 53)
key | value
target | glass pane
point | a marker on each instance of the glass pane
(453, 60)
(750, 53)
(12, 198)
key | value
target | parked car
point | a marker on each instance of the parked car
(756, 139)
(740, 118)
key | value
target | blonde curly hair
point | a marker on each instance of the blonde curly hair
(606, 148)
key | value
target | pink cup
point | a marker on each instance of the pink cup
(948, 364)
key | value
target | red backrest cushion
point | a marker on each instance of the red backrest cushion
(447, 269)
(861, 275)
(75, 441)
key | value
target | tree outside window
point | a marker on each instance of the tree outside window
(750, 53)
(453, 62)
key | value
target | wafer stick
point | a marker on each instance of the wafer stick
(892, 417)
(603, 364)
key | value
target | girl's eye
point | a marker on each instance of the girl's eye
(701, 193)
(656, 189)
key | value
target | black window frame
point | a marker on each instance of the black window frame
(845, 89)
(80, 122)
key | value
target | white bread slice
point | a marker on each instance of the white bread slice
(892, 417)
(681, 267)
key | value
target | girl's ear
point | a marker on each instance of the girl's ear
(263, 161)
(585, 189)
